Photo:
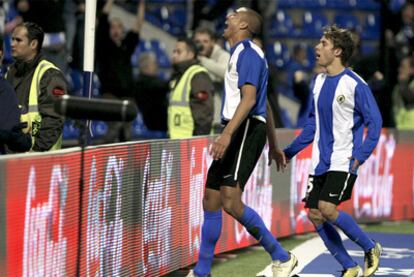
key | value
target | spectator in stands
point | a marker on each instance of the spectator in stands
(343, 105)
(37, 97)
(190, 111)
(114, 49)
(48, 14)
(302, 91)
(403, 95)
(237, 149)
(299, 81)
(151, 93)
(12, 136)
(299, 62)
(215, 59)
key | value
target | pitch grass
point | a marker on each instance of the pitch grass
(252, 260)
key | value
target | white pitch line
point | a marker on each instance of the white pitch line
(306, 253)
(316, 275)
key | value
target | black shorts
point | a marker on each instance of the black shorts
(334, 187)
(240, 158)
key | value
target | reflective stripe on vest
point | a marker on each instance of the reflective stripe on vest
(34, 117)
(180, 118)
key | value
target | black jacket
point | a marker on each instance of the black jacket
(114, 61)
(52, 86)
(11, 135)
(151, 98)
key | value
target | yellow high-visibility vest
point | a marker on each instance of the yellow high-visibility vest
(33, 117)
(404, 118)
(180, 119)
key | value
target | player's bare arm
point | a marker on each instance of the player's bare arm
(246, 104)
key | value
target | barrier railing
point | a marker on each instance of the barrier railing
(142, 208)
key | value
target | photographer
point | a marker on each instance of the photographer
(215, 59)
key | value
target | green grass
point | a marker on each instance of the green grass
(405, 227)
(252, 260)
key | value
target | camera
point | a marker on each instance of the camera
(199, 46)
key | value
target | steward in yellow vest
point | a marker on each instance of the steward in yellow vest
(38, 83)
(403, 101)
(191, 108)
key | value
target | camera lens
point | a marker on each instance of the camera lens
(199, 46)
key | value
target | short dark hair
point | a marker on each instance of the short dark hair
(253, 19)
(341, 38)
(34, 32)
(191, 46)
(205, 30)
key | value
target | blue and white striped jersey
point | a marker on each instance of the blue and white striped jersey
(247, 65)
(342, 106)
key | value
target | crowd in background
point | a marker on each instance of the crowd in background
(199, 62)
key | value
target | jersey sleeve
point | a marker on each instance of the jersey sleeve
(249, 66)
(367, 107)
(305, 137)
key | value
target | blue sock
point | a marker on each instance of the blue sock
(333, 243)
(210, 233)
(256, 227)
(349, 226)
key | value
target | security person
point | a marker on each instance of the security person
(38, 83)
(191, 108)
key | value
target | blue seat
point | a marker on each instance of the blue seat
(277, 54)
(99, 129)
(310, 53)
(69, 130)
(153, 19)
(367, 49)
(338, 4)
(162, 56)
(142, 46)
(372, 27)
(348, 21)
(368, 4)
(75, 81)
(281, 25)
(96, 86)
(155, 46)
(286, 4)
(140, 131)
(396, 5)
(312, 4)
(178, 17)
(313, 24)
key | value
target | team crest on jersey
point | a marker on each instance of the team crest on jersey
(340, 99)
